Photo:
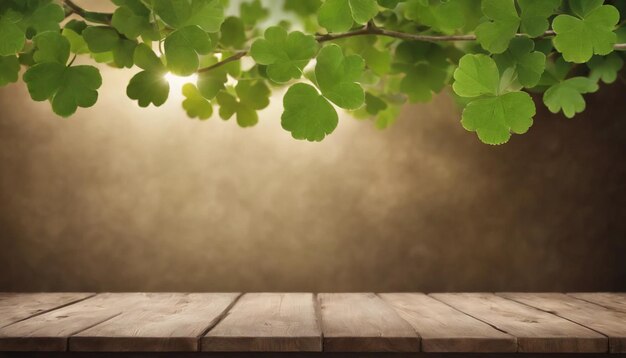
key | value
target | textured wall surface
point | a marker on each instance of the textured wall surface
(122, 199)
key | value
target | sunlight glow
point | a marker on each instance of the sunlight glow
(177, 82)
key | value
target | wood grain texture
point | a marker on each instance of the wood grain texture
(363, 322)
(268, 322)
(614, 301)
(445, 329)
(536, 331)
(19, 306)
(603, 320)
(50, 331)
(164, 322)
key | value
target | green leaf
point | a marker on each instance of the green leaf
(443, 16)
(9, 69)
(535, 15)
(605, 68)
(77, 42)
(101, 39)
(148, 87)
(340, 15)
(194, 104)
(67, 87)
(128, 23)
(146, 59)
(253, 12)
(374, 104)
(174, 13)
(51, 47)
(378, 60)
(580, 38)
(12, 37)
(495, 35)
(285, 55)
(425, 67)
(476, 75)
(529, 65)
(303, 8)
(252, 97)
(495, 118)
(233, 33)
(567, 96)
(307, 114)
(45, 18)
(207, 14)
(337, 75)
(182, 48)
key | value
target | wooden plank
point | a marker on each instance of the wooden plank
(536, 331)
(268, 322)
(614, 301)
(444, 329)
(603, 320)
(165, 322)
(50, 331)
(19, 306)
(362, 322)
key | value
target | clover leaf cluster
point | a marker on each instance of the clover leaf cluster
(368, 57)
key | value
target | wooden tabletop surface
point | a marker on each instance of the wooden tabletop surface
(307, 322)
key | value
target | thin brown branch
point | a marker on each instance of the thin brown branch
(97, 17)
(237, 56)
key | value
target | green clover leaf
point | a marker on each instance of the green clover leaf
(495, 118)
(308, 115)
(67, 87)
(182, 48)
(476, 75)
(233, 33)
(253, 12)
(340, 15)
(443, 16)
(567, 96)
(51, 47)
(535, 14)
(252, 97)
(425, 68)
(605, 68)
(195, 104)
(495, 35)
(104, 39)
(580, 38)
(285, 54)
(529, 65)
(132, 24)
(336, 76)
(148, 86)
(303, 8)
(494, 115)
(12, 37)
(207, 14)
(9, 69)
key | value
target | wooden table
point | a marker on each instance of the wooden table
(306, 324)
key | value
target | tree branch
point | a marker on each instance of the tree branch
(97, 17)
(370, 29)
(237, 56)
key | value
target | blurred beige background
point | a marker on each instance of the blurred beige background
(119, 198)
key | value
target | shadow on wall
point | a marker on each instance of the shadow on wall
(123, 199)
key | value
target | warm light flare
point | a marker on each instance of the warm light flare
(177, 82)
